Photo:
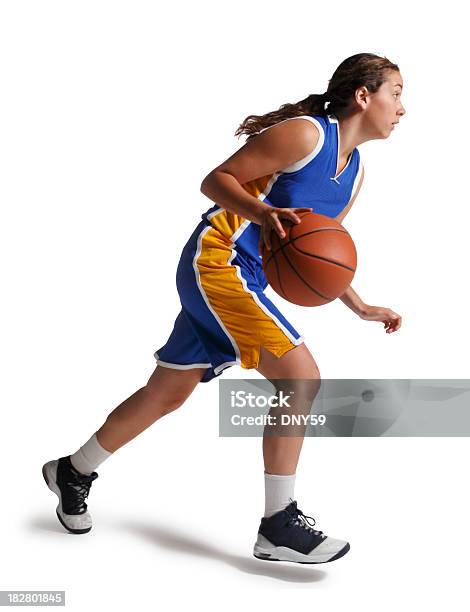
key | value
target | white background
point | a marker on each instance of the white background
(111, 115)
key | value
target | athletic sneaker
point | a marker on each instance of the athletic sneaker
(287, 535)
(72, 488)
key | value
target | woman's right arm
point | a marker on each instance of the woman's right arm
(270, 151)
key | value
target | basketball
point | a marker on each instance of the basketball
(313, 264)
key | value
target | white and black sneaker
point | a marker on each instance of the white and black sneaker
(72, 488)
(289, 536)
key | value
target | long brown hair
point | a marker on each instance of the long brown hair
(362, 69)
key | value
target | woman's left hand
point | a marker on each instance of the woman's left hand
(391, 319)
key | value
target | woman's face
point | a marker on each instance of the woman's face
(385, 108)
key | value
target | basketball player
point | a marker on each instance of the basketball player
(306, 160)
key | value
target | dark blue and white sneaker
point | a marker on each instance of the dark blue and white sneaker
(289, 536)
(72, 488)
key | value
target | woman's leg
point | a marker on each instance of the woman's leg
(285, 532)
(166, 390)
(70, 477)
(281, 453)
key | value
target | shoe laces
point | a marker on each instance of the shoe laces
(297, 517)
(81, 484)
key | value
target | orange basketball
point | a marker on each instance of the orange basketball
(314, 263)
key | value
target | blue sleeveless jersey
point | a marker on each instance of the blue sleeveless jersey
(311, 182)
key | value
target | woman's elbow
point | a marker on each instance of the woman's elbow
(205, 183)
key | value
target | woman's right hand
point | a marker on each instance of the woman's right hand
(271, 220)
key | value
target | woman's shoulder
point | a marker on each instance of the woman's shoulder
(298, 123)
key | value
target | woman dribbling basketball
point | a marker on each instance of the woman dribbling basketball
(300, 157)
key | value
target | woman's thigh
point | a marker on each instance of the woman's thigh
(295, 363)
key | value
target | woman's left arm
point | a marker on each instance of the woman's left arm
(391, 320)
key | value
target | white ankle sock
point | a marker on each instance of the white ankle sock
(89, 456)
(278, 489)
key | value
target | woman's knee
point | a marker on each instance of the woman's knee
(169, 388)
(296, 374)
(300, 393)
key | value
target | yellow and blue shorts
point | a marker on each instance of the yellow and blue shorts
(225, 316)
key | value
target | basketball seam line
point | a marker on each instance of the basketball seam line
(325, 297)
(331, 261)
(279, 279)
(308, 234)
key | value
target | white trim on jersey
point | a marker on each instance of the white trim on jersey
(335, 178)
(357, 179)
(298, 165)
(240, 230)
